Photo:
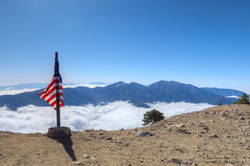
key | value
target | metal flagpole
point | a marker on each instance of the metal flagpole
(57, 91)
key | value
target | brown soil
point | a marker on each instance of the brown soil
(213, 137)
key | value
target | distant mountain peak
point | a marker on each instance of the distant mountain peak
(139, 95)
(118, 84)
(135, 84)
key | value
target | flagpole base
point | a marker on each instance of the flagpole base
(59, 132)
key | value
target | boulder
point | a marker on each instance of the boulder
(59, 132)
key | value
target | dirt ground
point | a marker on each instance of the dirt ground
(212, 137)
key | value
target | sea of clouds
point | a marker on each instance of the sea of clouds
(113, 116)
(13, 91)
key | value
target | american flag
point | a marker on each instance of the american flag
(53, 94)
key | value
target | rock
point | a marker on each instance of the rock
(59, 132)
(144, 134)
(161, 145)
(180, 125)
(86, 156)
(183, 131)
(242, 118)
(179, 150)
(176, 161)
(108, 138)
(214, 136)
(205, 128)
(92, 158)
(78, 163)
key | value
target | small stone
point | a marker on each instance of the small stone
(144, 134)
(205, 128)
(92, 158)
(179, 150)
(86, 156)
(214, 136)
(242, 118)
(78, 163)
(182, 131)
(108, 138)
(176, 161)
(180, 125)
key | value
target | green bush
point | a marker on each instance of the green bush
(244, 99)
(152, 117)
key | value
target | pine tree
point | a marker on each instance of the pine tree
(244, 99)
(152, 116)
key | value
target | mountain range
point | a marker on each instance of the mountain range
(137, 94)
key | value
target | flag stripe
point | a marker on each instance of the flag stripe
(50, 93)
(49, 86)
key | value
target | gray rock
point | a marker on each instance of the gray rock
(183, 131)
(176, 161)
(78, 163)
(59, 132)
(108, 138)
(180, 125)
(214, 136)
(144, 134)
(86, 156)
(92, 158)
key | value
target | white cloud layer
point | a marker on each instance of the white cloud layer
(16, 91)
(83, 85)
(114, 116)
(11, 91)
(234, 97)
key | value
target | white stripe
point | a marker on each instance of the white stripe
(51, 101)
(51, 94)
(48, 90)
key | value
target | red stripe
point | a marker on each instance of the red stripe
(54, 103)
(50, 89)
(50, 85)
(54, 81)
(51, 98)
(49, 92)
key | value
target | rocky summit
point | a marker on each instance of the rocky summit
(212, 137)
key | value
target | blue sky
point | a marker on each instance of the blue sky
(203, 42)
